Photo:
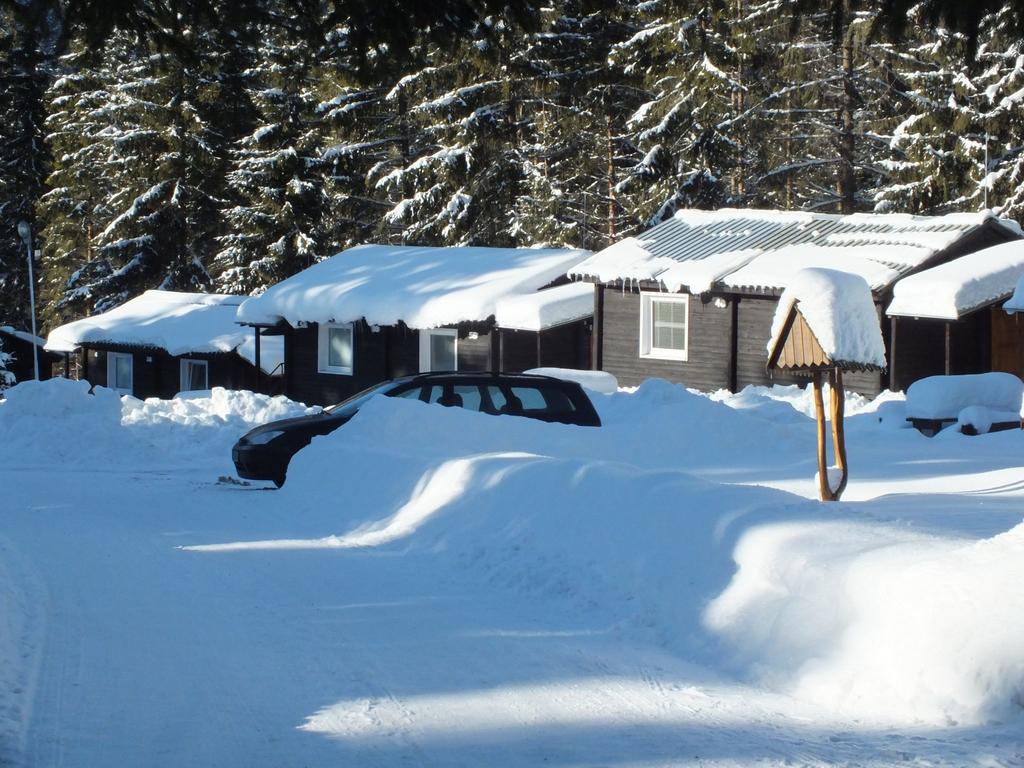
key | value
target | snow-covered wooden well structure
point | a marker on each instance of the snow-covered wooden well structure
(826, 324)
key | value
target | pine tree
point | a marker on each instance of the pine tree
(279, 181)
(23, 157)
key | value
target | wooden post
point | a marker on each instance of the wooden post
(597, 335)
(819, 410)
(892, 354)
(538, 349)
(257, 356)
(949, 367)
(838, 407)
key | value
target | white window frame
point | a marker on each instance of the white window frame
(112, 358)
(183, 379)
(647, 348)
(425, 336)
(323, 352)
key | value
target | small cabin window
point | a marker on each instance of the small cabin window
(119, 372)
(336, 348)
(664, 326)
(194, 375)
(439, 350)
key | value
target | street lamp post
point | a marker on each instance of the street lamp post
(25, 233)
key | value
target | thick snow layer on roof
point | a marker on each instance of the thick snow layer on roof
(840, 311)
(944, 397)
(546, 309)
(179, 323)
(951, 290)
(423, 287)
(1016, 301)
(714, 244)
(23, 335)
(778, 269)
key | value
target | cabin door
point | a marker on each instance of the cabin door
(1007, 342)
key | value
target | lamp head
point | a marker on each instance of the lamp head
(24, 231)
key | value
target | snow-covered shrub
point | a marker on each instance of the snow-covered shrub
(6, 377)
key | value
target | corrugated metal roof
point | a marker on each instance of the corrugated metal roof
(898, 241)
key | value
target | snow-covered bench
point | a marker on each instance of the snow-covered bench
(978, 403)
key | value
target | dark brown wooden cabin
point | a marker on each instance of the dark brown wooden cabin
(20, 345)
(728, 327)
(531, 315)
(950, 320)
(380, 353)
(155, 373)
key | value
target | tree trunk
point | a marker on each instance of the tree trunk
(847, 186)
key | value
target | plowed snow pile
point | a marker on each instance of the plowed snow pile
(59, 422)
(865, 618)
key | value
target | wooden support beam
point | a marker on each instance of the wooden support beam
(837, 409)
(892, 354)
(259, 370)
(949, 367)
(597, 338)
(819, 410)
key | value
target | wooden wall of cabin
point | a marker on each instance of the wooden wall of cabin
(377, 356)
(920, 347)
(709, 338)
(1007, 341)
(710, 361)
(564, 346)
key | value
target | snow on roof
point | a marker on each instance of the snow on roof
(1016, 302)
(839, 308)
(951, 290)
(420, 286)
(546, 309)
(23, 335)
(179, 323)
(696, 249)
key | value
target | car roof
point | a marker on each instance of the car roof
(476, 375)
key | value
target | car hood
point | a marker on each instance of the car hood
(311, 424)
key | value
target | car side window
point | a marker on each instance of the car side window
(413, 393)
(434, 393)
(530, 399)
(498, 398)
(470, 394)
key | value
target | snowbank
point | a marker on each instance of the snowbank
(866, 620)
(840, 311)
(423, 287)
(953, 289)
(58, 422)
(944, 397)
(878, 623)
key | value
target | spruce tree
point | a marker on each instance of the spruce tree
(23, 157)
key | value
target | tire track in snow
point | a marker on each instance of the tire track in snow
(23, 603)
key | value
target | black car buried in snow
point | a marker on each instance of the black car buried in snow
(264, 452)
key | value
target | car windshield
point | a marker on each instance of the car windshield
(354, 403)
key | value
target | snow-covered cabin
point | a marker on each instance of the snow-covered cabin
(164, 342)
(376, 312)
(21, 345)
(692, 300)
(949, 319)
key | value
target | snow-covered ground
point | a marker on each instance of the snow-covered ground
(437, 587)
